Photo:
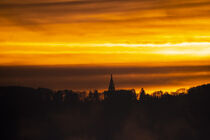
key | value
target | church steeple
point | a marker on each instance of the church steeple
(111, 85)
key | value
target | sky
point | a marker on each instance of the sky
(83, 77)
(97, 34)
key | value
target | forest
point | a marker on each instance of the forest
(32, 114)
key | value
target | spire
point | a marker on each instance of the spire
(111, 85)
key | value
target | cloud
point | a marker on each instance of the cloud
(84, 77)
(105, 21)
(51, 12)
(101, 22)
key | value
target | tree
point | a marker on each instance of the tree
(142, 95)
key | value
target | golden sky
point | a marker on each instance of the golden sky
(105, 32)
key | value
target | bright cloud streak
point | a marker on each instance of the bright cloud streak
(189, 44)
(186, 48)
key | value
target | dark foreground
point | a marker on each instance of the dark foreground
(40, 114)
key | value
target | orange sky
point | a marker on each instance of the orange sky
(105, 32)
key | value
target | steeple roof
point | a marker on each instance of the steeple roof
(111, 85)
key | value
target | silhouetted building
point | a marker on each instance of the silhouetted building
(122, 95)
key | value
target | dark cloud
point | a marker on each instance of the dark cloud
(85, 70)
(68, 11)
(97, 77)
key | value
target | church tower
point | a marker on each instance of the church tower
(111, 85)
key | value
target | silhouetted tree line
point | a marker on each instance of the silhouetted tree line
(31, 114)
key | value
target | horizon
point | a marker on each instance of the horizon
(174, 91)
(90, 77)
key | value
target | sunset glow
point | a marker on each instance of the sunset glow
(106, 33)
